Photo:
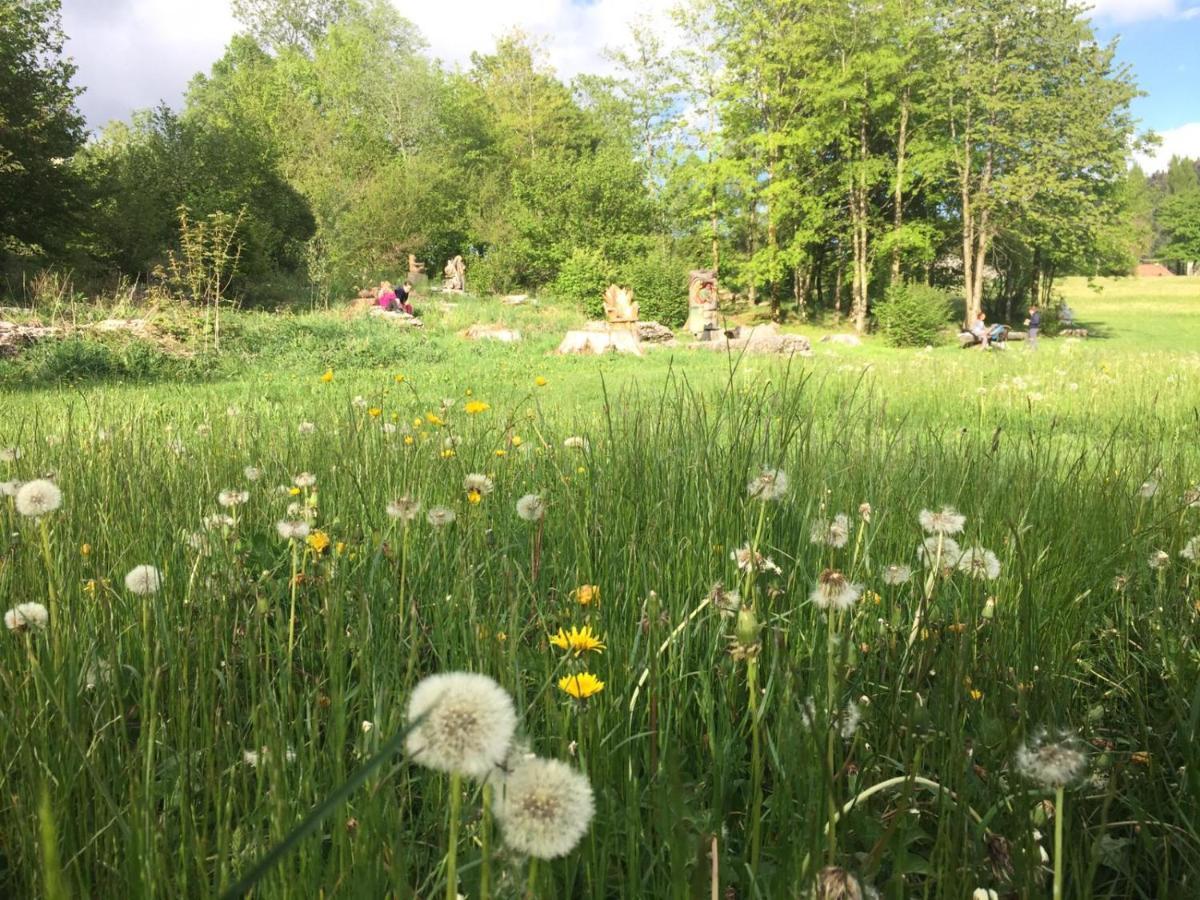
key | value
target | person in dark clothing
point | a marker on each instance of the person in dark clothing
(403, 303)
(1035, 324)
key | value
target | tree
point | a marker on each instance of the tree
(281, 24)
(40, 128)
(1179, 217)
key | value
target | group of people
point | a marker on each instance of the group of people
(986, 336)
(395, 299)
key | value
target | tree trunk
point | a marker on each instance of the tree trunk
(898, 194)
(837, 288)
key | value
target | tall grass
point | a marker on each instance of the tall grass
(136, 713)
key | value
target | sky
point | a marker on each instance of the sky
(133, 53)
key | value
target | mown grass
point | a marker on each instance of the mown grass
(133, 714)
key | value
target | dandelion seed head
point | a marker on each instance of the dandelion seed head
(576, 442)
(1148, 489)
(1051, 763)
(230, 498)
(26, 617)
(10, 454)
(1158, 559)
(979, 562)
(531, 508)
(10, 488)
(306, 428)
(834, 533)
(896, 574)
(305, 480)
(850, 720)
(217, 520)
(466, 723)
(949, 553)
(835, 883)
(747, 558)
(252, 473)
(478, 483)
(545, 808)
(864, 511)
(292, 530)
(834, 591)
(1191, 550)
(439, 516)
(38, 498)
(404, 508)
(947, 521)
(143, 580)
(768, 485)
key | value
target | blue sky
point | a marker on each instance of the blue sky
(133, 53)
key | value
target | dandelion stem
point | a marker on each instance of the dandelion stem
(830, 706)
(1058, 843)
(51, 589)
(531, 885)
(485, 845)
(452, 837)
(755, 767)
(292, 611)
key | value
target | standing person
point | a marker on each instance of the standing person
(1035, 324)
(980, 330)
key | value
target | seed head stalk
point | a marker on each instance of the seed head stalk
(452, 837)
(756, 768)
(485, 844)
(1059, 864)
(51, 587)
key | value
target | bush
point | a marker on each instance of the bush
(913, 315)
(582, 280)
(660, 288)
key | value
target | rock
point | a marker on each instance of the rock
(1074, 332)
(588, 340)
(654, 333)
(14, 337)
(846, 340)
(759, 339)
(514, 299)
(136, 326)
(396, 318)
(492, 333)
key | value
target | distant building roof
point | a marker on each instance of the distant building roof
(1152, 270)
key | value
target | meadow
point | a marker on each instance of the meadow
(899, 702)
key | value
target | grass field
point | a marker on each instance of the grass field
(754, 728)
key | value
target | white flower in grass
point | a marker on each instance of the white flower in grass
(388, 427)
(476, 482)
(367, 726)
(10, 488)
(1191, 550)
(291, 530)
(850, 720)
(252, 473)
(864, 511)
(984, 894)
(38, 498)
(950, 552)
(359, 402)
(232, 498)
(232, 411)
(295, 509)
(466, 723)
(197, 540)
(1051, 763)
(451, 441)
(253, 757)
(143, 580)
(835, 591)
(1158, 559)
(306, 428)
(1148, 489)
(10, 454)
(896, 574)
(768, 485)
(217, 520)
(203, 429)
(531, 508)
(26, 617)
(947, 521)
(835, 533)
(576, 442)
(305, 480)
(747, 559)
(439, 516)
(979, 562)
(404, 508)
(545, 808)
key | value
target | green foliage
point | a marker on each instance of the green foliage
(582, 280)
(1179, 218)
(913, 314)
(659, 283)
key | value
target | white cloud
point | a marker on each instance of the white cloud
(1126, 11)
(133, 53)
(1181, 141)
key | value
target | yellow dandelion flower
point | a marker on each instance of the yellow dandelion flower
(408, 439)
(581, 471)
(976, 694)
(578, 640)
(90, 586)
(374, 412)
(468, 392)
(85, 550)
(516, 440)
(294, 492)
(418, 422)
(434, 419)
(501, 636)
(540, 381)
(501, 452)
(474, 407)
(339, 548)
(327, 377)
(581, 686)
(399, 379)
(448, 453)
(473, 495)
(318, 541)
(586, 594)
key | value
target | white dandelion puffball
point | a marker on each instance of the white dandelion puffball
(1158, 559)
(217, 520)
(947, 521)
(26, 616)
(834, 533)
(252, 473)
(143, 580)
(1148, 489)
(388, 427)
(531, 508)
(232, 498)
(306, 428)
(545, 808)
(232, 411)
(203, 430)
(864, 511)
(575, 442)
(38, 498)
(466, 723)
(851, 718)
(359, 402)
(768, 485)
(452, 441)
(984, 894)
(404, 508)
(439, 516)
(835, 591)
(747, 559)
(292, 530)
(1191, 550)
(305, 480)
(477, 482)
(949, 552)
(896, 574)
(1051, 763)
(979, 562)
(10, 488)
(10, 454)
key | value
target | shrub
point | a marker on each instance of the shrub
(660, 288)
(582, 280)
(913, 315)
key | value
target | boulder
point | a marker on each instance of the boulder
(591, 340)
(654, 333)
(514, 299)
(396, 318)
(846, 340)
(758, 339)
(492, 333)
(14, 337)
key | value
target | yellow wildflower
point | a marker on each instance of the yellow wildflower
(586, 594)
(85, 550)
(327, 377)
(417, 422)
(318, 542)
(516, 440)
(501, 636)
(295, 492)
(339, 548)
(374, 412)
(399, 379)
(581, 686)
(540, 381)
(408, 439)
(501, 452)
(448, 454)
(578, 640)
(468, 392)
(473, 495)
(976, 694)
(581, 471)
(434, 419)
(475, 407)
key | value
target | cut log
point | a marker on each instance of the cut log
(617, 340)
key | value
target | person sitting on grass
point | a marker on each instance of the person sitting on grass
(403, 303)
(387, 296)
